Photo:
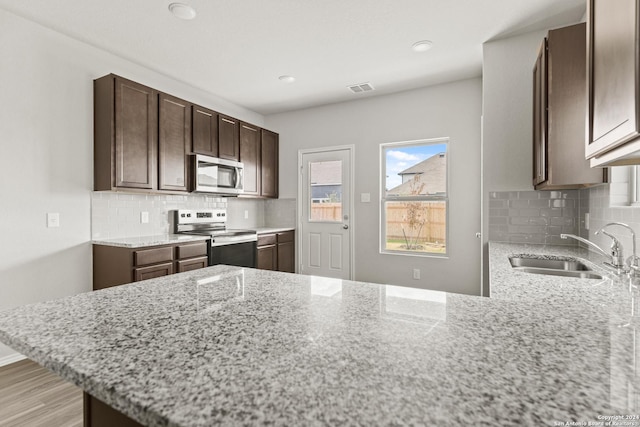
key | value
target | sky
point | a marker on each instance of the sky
(402, 157)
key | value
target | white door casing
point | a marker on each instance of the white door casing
(325, 208)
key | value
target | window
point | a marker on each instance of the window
(414, 197)
(624, 186)
(326, 191)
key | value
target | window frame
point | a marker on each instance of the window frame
(382, 226)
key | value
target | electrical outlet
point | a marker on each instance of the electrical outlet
(144, 217)
(416, 273)
(53, 219)
(246, 214)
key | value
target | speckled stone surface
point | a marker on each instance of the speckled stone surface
(509, 283)
(231, 346)
(269, 230)
(142, 241)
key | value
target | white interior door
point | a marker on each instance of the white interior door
(325, 206)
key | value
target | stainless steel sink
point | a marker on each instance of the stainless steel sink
(555, 264)
(566, 267)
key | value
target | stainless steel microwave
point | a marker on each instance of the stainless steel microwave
(218, 176)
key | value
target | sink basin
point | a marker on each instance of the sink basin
(555, 264)
(566, 267)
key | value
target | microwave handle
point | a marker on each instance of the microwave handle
(238, 178)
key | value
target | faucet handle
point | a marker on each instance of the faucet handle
(633, 262)
(617, 255)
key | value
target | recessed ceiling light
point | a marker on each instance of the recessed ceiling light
(182, 11)
(287, 79)
(422, 46)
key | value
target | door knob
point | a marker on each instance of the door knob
(345, 226)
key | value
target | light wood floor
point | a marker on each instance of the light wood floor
(30, 396)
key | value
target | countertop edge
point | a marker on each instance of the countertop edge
(149, 241)
(270, 230)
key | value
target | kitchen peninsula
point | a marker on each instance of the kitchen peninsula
(234, 346)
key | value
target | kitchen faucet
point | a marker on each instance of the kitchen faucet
(633, 260)
(615, 254)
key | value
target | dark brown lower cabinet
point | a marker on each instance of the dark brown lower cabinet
(99, 414)
(277, 251)
(153, 271)
(192, 264)
(267, 252)
(114, 265)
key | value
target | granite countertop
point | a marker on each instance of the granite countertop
(231, 346)
(269, 230)
(508, 283)
(142, 241)
(167, 239)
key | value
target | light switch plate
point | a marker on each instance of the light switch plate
(144, 217)
(53, 219)
(365, 197)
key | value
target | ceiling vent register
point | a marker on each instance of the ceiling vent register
(361, 87)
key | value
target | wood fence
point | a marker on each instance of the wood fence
(326, 211)
(433, 231)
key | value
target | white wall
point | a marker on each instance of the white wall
(46, 161)
(451, 110)
(507, 156)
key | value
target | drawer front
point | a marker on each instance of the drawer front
(287, 236)
(153, 271)
(267, 239)
(192, 264)
(192, 250)
(153, 256)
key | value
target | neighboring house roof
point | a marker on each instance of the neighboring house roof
(323, 173)
(431, 172)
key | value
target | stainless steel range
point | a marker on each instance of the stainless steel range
(227, 246)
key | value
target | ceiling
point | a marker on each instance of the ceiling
(237, 49)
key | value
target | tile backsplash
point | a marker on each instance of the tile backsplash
(537, 217)
(602, 212)
(280, 212)
(116, 215)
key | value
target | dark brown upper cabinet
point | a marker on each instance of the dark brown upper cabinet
(269, 164)
(204, 131)
(125, 135)
(174, 143)
(559, 105)
(540, 117)
(259, 154)
(613, 76)
(143, 139)
(250, 157)
(228, 137)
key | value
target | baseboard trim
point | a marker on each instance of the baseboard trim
(12, 358)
